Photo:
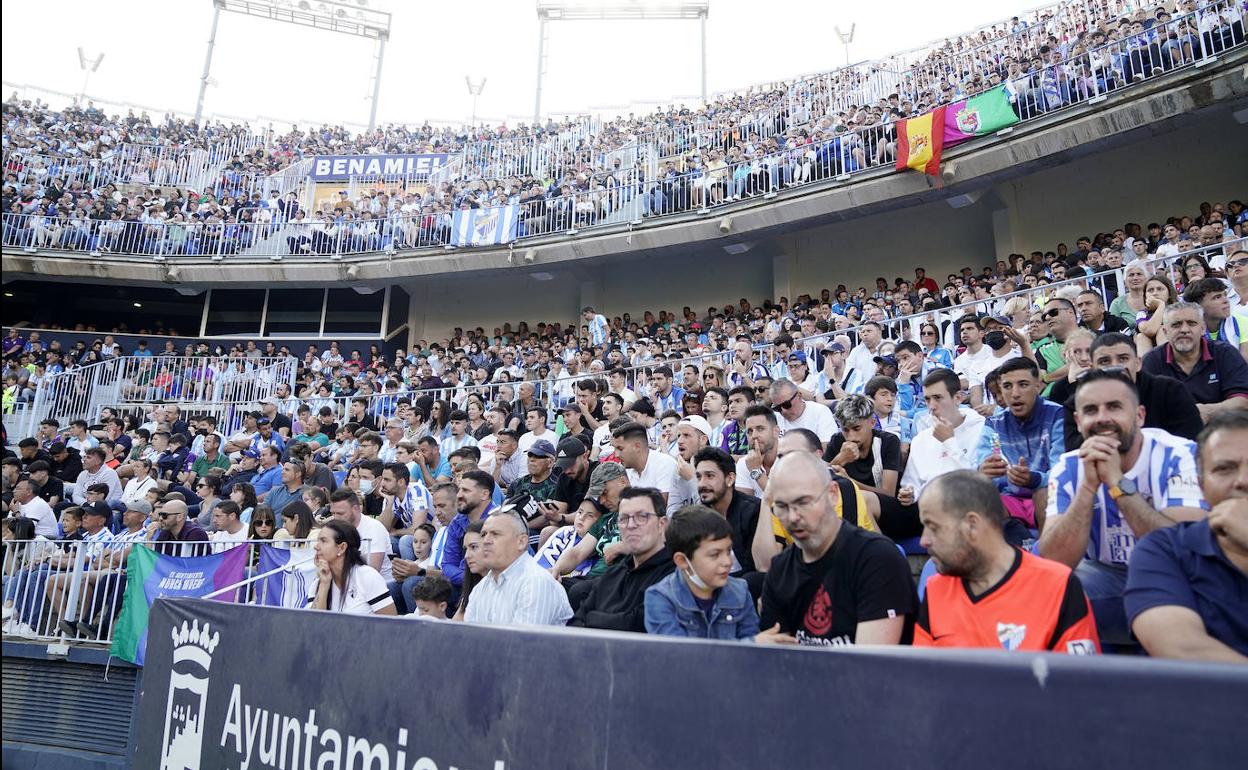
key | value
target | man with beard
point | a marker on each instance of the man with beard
(1187, 583)
(1214, 372)
(989, 593)
(716, 478)
(1122, 483)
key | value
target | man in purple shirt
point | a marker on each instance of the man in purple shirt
(174, 526)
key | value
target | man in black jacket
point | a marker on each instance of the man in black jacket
(716, 473)
(1167, 403)
(617, 599)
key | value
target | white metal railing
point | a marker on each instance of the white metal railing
(81, 392)
(380, 407)
(73, 590)
(834, 156)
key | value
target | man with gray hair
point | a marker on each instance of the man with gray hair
(1213, 372)
(796, 412)
(516, 591)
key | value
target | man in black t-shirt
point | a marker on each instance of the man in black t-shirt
(837, 584)
(861, 451)
(575, 468)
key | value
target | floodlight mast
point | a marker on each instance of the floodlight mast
(357, 20)
(552, 10)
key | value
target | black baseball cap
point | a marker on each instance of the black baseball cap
(569, 449)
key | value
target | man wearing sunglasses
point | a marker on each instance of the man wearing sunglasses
(796, 412)
(175, 534)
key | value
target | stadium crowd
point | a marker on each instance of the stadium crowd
(58, 194)
(1071, 458)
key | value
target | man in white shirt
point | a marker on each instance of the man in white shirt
(612, 406)
(31, 506)
(345, 504)
(949, 445)
(862, 358)
(516, 591)
(646, 467)
(94, 471)
(535, 424)
(970, 364)
(228, 527)
(617, 380)
(795, 412)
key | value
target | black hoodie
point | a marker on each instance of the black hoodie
(617, 602)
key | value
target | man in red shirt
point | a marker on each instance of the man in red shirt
(921, 281)
(989, 593)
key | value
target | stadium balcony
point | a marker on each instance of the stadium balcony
(777, 236)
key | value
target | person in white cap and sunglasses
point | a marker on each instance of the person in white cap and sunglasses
(692, 435)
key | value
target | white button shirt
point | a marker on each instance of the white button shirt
(524, 594)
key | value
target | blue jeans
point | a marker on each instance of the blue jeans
(27, 592)
(1104, 585)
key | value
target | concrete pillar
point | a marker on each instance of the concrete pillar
(783, 266)
(1005, 223)
(418, 302)
(588, 296)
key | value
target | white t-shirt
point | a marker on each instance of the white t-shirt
(744, 481)
(971, 365)
(223, 541)
(685, 492)
(816, 417)
(366, 592)
(527, 441)
(45, 520)
(659, 473)
(602, 439)
(375, 539)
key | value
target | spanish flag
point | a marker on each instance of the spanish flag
(919, 141)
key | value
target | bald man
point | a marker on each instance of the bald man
(837, 584)
(173, 527)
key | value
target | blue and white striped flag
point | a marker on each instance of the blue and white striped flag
(292, 586)
(484, 227)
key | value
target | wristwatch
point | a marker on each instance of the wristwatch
(757, 474)
(1125, 486)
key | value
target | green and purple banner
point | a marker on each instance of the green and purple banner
(150, 575)
(987, 113)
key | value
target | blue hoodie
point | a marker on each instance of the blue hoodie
(1041, 439)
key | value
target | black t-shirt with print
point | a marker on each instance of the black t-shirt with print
(862, 577)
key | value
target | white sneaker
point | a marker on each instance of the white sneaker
(8, 612)
(24, 630)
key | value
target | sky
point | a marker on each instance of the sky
(267, 72)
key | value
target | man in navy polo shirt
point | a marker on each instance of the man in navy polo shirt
(1214, 372)
(1187, 588)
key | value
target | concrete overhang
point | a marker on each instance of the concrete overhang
(1217, 90)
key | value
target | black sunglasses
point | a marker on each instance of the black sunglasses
(1052, 313)
(785, 404)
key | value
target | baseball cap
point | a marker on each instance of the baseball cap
(142, 506)
(699, 422)
(886, 360)
(263, 421)
(1003, 320)
(797, 355)
(253, 454)
(98, 508)
(605, 472)
(569, 449)
(542, 448)
(835, 347)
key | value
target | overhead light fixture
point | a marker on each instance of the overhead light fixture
(725, 225)
(8, 294)
(173, 273)
(138, 304)
(352, 272)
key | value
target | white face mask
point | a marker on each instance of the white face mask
(693, 578)
(366, 486)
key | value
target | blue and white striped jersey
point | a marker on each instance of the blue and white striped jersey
(598, 330)
(1165, 475)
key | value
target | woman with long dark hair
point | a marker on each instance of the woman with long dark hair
(475, 567)
(244, 494)
(344, 582)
